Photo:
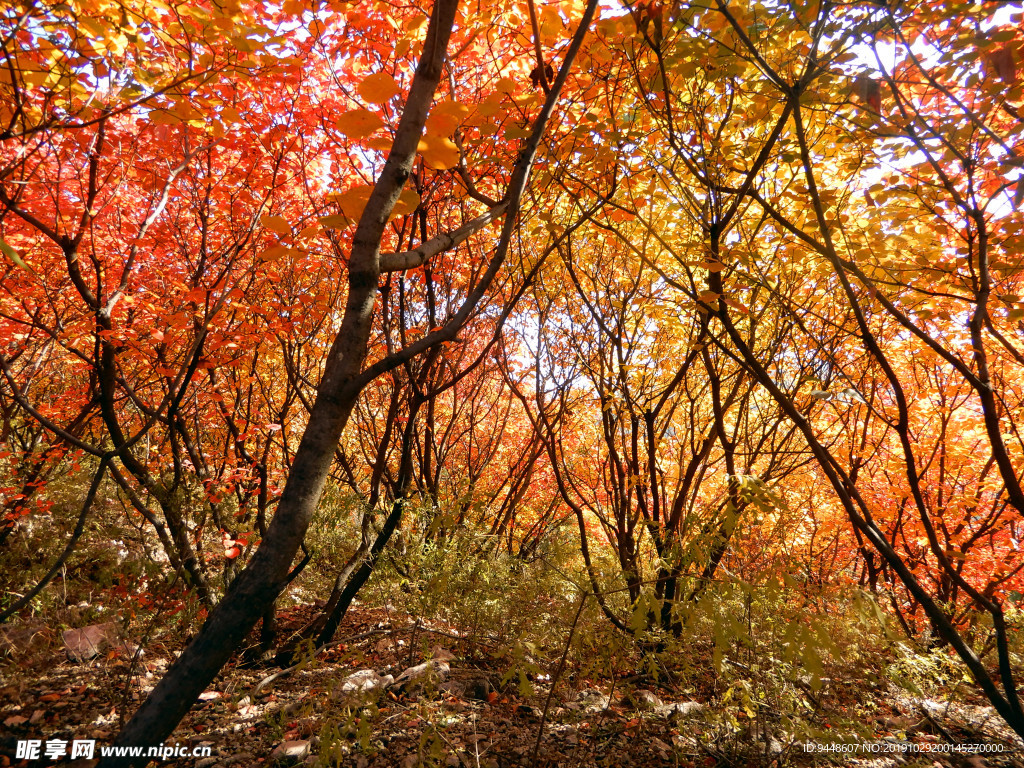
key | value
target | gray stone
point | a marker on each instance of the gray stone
(291, 751)
(88, 642)
(430, 672)
(361, 688)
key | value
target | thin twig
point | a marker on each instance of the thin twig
(558, 675)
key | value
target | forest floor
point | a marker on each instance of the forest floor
(473, 718)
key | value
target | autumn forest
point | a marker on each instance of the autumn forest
(519, 383)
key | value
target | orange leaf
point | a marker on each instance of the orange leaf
(438, 152)
(359, 123)
(276, 224)
(378, 88)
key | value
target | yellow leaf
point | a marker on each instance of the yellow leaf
(351, 202)
(357, 123)
(446, 117)
(163, 117)
(438, 152)
(378, 88)
(276, 224)
(273, 253)
(490, 106)
(513, 132)
(14, 256)
(335, 221)
(92, 26)
(415, 23)
(407, 203)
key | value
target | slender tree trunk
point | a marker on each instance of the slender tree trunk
(394, 519)
(316, 627)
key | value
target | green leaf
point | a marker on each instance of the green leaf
(14, 256)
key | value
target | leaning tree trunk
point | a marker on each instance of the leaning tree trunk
(259, 583)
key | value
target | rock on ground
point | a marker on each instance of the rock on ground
(291, 751)
(88, 642)
(429, 672)
(361, 687)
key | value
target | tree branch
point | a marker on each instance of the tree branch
(417, 257)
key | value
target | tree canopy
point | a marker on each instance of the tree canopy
(712, 291)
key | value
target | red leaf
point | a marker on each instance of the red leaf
(869, 91)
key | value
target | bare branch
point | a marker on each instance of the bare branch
(396, 262)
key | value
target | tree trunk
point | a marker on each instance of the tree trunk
(394, 519)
